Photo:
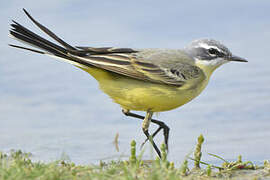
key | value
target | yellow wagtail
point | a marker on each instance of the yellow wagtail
(150, 80)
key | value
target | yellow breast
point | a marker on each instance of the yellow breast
(139, 95)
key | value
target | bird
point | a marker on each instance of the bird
(150, 80)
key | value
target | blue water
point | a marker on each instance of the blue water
(54, 110)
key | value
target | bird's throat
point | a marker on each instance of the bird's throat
(209, 67)
(208, 70)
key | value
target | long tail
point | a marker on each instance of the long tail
(23, 34)
(66, 52)
(108, 58)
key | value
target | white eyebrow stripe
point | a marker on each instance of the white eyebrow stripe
(206, 46)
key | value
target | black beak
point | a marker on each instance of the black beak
(236, 58)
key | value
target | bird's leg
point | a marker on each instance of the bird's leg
(145, 126)
(161, 124)
(166, 130)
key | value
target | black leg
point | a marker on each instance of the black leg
(152, 142)
(161, 124)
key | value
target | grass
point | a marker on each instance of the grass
(18, 165)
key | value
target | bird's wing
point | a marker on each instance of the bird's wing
(139, 68)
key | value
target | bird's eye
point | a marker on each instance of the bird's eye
(213, 51)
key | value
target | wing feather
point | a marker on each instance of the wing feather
(143, 70)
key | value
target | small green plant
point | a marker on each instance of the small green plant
(184, 168)
(133, 158)
(209, 170)
(198, 152)
(18, 165)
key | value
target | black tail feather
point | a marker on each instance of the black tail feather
(63, 49)
(29, 49)
(25, 35)
(33, 36)
(50, 33)
(36, 43)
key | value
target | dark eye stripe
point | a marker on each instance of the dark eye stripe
(215, 52)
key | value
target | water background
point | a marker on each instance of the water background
(53, 110)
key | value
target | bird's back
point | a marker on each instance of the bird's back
(162, 57)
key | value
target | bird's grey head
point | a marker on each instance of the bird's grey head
(211, 52)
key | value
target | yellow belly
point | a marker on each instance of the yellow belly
(139, 95)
